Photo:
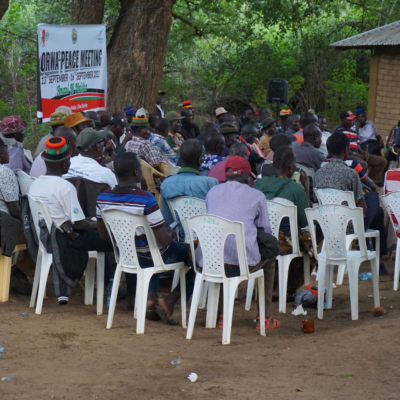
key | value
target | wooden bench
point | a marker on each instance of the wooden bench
(5, 273)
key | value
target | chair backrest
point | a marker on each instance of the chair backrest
(186, 206)
(334, 196)
(277, 211)
(164, 168)
(283, 201)
(309, 171)
(333, 220)
(148, 176)
(39, 211)
(173, 169)
(24, 181)
(212, 232)
(392, 204)
(122, 228)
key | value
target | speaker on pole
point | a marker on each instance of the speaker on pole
(277, 91)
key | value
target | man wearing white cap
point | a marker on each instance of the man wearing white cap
(219, 112)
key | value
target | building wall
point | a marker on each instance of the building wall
(387, 109)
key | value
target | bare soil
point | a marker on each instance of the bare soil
(66, 353)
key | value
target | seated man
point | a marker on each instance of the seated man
(307, 153)
(121, 131)
(214, 145)
(127, 197)
(142, 147)
(158, 139)
(188, 181)
(13, 128)
(91, 146)
(174, 138)
(292, 124)
(74, 235)
(268, 130)
(337, 175)
(235, 200)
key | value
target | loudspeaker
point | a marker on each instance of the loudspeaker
(277, 91)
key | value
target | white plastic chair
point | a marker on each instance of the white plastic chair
(309, 171)
(327, 196)
(277, 211)
(333, 220)
(25, 181)
(185, 206)
(392, 204)
(121, 227)
(173, 169)
(212, 232)
(44, 261)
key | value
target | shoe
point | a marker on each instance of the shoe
(382, 269)
(62, 300)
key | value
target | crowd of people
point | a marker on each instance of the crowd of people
(89, 163)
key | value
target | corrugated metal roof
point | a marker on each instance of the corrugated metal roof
(387, 35)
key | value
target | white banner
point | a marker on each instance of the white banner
(72, 68)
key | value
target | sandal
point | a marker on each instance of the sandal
(268, 325)
(219, 325)
(165, 318)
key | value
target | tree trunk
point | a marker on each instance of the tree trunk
(136, 53)
(87, 12)
(3, 7)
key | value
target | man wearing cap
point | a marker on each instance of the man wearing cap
(91, 146)
(188, 181)
(141, 145)
(219, 112)
(284, 114)
(158, 139)
(13, 128)
(231, 135)
(159, 100)
(56, 120)
(174, 138)
(77, 122)
(122, 133)
(72, 235)
(268, 129)
(235, 200)
(130, 113)
(189, 129)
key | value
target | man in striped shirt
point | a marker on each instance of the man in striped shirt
(127, 197)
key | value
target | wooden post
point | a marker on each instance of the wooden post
(373, 84)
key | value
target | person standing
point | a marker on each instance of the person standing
(322, 124)
(159, 100)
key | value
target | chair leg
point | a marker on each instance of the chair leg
(5, 275)
(261, 304)
(375, 281)
(321, 293)
(340, 274)
(283, 269)
(197, 293)
(397, 266)
(249, 295)
(307, 273)
(100, 283)
(90, 272)
(143, 280)
(114, 294)
(36, 279)
(230, 286)
(212, 304)
(329, 286)
(203, 295)
(47, 259)
(182, 273)
(175, 281)
(352, 269)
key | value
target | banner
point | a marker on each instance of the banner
(72, 68)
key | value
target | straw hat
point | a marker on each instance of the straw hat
(219, 111)
(75, 119)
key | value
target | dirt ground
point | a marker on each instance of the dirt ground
(66, 353)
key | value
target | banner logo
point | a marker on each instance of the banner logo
(74, 36)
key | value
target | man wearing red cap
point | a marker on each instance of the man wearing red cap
(235, 200)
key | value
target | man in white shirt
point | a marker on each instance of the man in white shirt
(74, 235)
(91, 146)
(160, 111)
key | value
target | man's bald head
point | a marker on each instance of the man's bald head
(215, 143)
(238, 149)
(68, 134)
(312, 134)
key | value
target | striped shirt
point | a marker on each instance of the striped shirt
(235, 201)
(137, 202)
(353, 138)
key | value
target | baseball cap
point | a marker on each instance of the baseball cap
(281, 139)
(239, 165)
(5, 141)
(267, 122)
(89, 137)
(119, 121)
(172, 116)
(226, 128)
(347, 115)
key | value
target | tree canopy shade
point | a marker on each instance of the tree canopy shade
(213, 52)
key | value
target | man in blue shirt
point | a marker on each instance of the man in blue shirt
(188, 181)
